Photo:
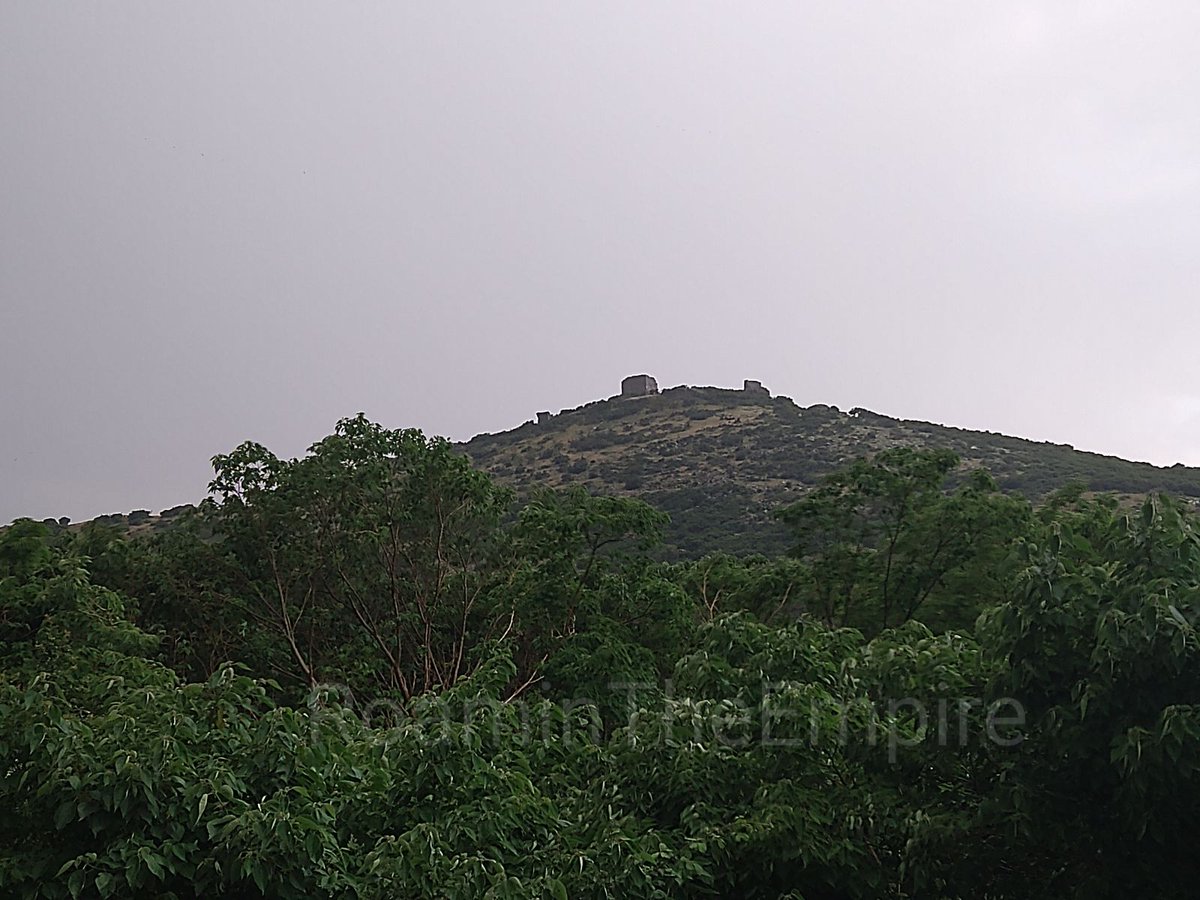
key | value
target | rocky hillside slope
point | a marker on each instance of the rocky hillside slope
(721, 461)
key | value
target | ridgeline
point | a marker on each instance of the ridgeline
(721, 461)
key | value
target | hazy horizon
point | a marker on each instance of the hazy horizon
(245, 221)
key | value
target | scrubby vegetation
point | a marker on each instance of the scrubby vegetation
(377, 672)
(721, 461)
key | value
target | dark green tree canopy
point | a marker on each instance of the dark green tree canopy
(371, 672)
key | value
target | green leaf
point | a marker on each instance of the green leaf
(64, 814)
(203, 806)
(154, 863)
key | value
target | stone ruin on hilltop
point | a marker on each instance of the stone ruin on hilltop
(645, 385)
(638, 386)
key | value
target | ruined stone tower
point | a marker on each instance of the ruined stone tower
(638, 386)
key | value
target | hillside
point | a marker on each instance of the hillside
(720, 461)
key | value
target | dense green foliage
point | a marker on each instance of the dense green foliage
(370, 673)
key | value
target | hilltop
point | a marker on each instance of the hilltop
(720, 461)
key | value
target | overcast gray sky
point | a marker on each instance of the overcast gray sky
(245, 220)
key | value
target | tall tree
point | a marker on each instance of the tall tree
(885, 535)
(369, 558)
